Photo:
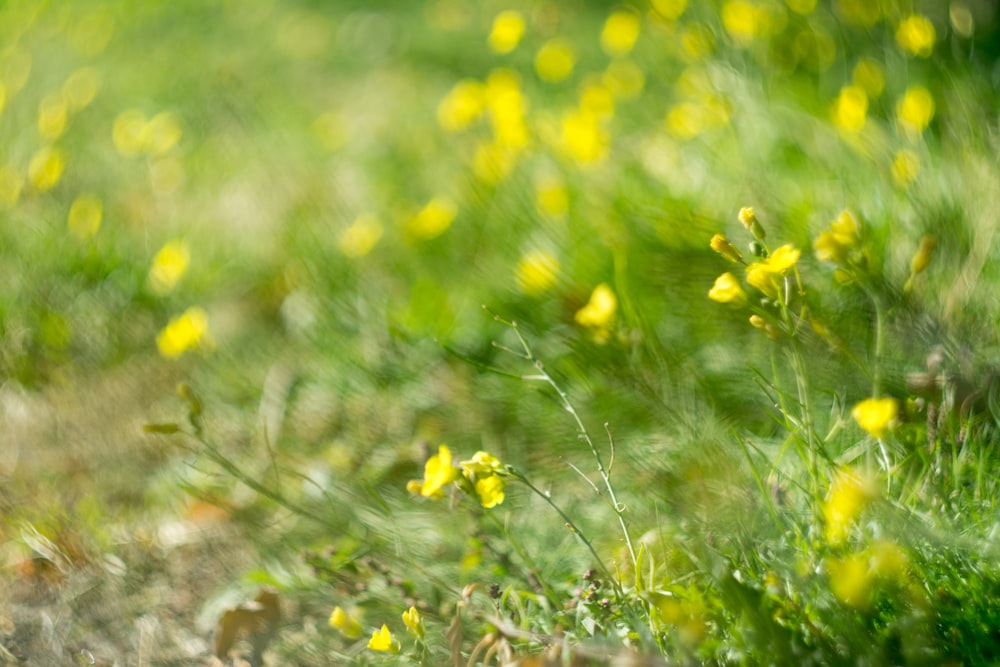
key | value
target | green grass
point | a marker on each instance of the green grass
(678, 482)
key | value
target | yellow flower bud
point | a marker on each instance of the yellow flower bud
(748, 219)
(922, 257)
(720, 245)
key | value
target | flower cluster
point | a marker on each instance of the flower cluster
(483, 474)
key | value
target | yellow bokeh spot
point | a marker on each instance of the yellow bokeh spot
(876, 415)
(583, 137)
(507, 106)
(905, 168)
(53, 115)
(620, 32)
(696, 43)
(360, 237)
(551, 198)
(11, 183)
(727, 289)
(850, 109)
(330, 129)
(463, 104)
(671, 10)
(85, 216)
(915, 109)
(80, 89)
(850, 493)
(188, 331)
(685, 120)
(916, 36)
(162, 133)
(129, 132)
(508, 28)
(624, 79)
(869, 77)
(862, 13)
(169, 265)
(600, 309)
(596, 98)
(744, 21)
(46, 168)
(433, 219)
(555, 60)
(803, 7)
(851, 580)
(536, 272)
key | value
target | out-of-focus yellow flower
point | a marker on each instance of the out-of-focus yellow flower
(624, 79)
(671, 10)
(537, 271)
(720, 245)
(345, 623)
(463, 104)
(129, 132)
(916, 35)
(905, 167)
(748, 218)
(187, 331)
(922, 257)
(169, 264)
(850, 109)
(600, 309)
(433, 219)
(11, 183)
(382, 640)
(915, 109)
(869, 77)
(551, 198)
(507, 106)
(481, 463)
(85, 217)
(887, 560)
(46, 168)
(834, 244)
(596, 99)
(850, 493)
(620, 32)
(764, 275)
(555, 60)
(330, 129)
(52, 116)
(80, 89)
(491, 491)
(727, 289)
(685, 120)
(783, 258)
(742, 20)
(438, 473)
(508, 28)
(876, 415)
(696, 43)
(414, 622)
(584, 139)
(851, 580)
(162, 133)
(803, 7)
(360, 237)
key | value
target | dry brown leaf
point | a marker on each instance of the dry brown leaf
(257, 620)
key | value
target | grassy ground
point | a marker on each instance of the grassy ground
(246, 364)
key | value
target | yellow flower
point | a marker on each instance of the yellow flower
(915, 109)
(508, 28)
(583, 138)
(169, 265)
(849, 495)
(413, 622)
(46, 168)
(85, 217)
(347, 625)
(916, 35)
(536, 272)
(490, 490)
(720, 245)
(185, 332)
(742, 20)
(129, 132)
(555, 60)
(438, 473)
(905, 167)
(834, 244)
(922, 257)
(850, 109)
(433, 219)
(463, 104)
(783, 258)
(869, 77)
(620, 33)
(727, 289)
(671, 10)
(161, 133)
(481, 463)
(382, 640)
(851, 580)
(876, 415)
(600, 310)
(52, 116)
(359, 239)
(748, 218)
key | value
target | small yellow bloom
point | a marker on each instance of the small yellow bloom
(600, 309)
(413, 622)
(922, 257)
(462, 105)
(536, 272)
(671, 10)
(727, 289)
(438, 473)
(185, 332)
(850, 109)
(508, 28)
(555, 61)
(876, 415)
(584, 139)
(481, 463)
(433, 219)
(834, 244)
(169, 265)
(748, 218)
(620, 33)
(743, 21)
(346, 624)
(382, 640)
(869, 77)
(783, 258)
(850, 493)
(916, 35)
(129, 132)
(551, 198)
(490, 490)
(162, 133)
(46, 168)
(52, 116)
(720, 245)
(360, 237)
(851, 580)
(85, 217)
(915, 109)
